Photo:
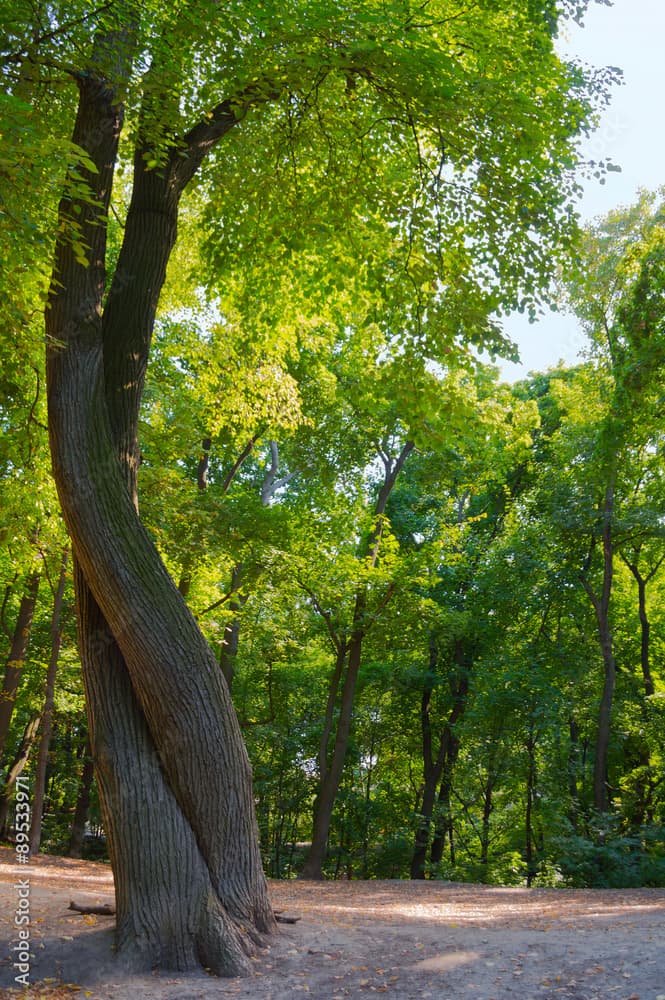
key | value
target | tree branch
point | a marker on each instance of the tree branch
(190, 153)
(235, 468)
(3, 609)
(336, 641)
(271, 483)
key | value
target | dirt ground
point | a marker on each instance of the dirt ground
(409, 940)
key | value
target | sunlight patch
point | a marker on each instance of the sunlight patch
(449, 960)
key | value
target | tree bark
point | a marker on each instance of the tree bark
(39, 783)
(172, 772)
(573, 769)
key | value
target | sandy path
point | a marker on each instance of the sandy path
(355, 939)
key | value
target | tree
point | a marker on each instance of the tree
(619, 299)
(471, 118)
(47, 713)
(348, 646)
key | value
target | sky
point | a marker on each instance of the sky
(628, 34)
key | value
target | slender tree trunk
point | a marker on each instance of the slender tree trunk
(574, 770)
(488, 807)
(16, 768)
(16, 660)
(75, 849)
(367, 804)
(530, 855)
(330, 781)
(645, 638)
(329, 718)
(444, 827)
(601, 605)
(39, 784)
(601, 795)
(645, 625)
(329, 786)
(431, 769)
(185, 582)
(440, 771)
(231, 642)
(173, 775)
(419, 857)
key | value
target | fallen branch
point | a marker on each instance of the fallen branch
(104, 911)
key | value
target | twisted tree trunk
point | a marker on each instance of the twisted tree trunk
(173, 775)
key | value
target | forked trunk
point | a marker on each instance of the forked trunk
(173, 775)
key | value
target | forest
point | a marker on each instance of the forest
(273, 249)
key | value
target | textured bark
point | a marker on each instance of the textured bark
(16, 660)
(168, 910)
(173, 775)
(329, 717)
(39, 784)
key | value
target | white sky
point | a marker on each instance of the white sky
(629, 34)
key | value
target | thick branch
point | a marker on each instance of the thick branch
(237, 465)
